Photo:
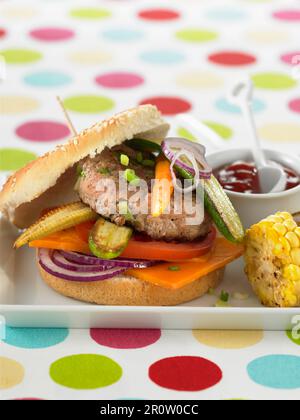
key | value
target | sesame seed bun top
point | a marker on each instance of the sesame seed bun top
(50, 179)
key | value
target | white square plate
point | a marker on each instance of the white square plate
(25, 301)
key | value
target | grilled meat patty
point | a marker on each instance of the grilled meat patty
(105, 168)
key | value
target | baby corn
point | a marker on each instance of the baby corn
(61, 218)
(273, 260)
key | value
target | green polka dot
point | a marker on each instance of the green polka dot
(294, 340)
(90, 13)
(273, 81)
(183, 132)
(85, 371)
(89, 104)
(222, 130)
(20, 56)
(196, 35)
(14, 159)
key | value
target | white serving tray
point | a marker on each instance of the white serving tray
(25, 301)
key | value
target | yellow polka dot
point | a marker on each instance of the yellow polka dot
(263, 36)
(228, 339)
(13, 104)
(21, 13)
(280, 132)
(90, 57)
(199, 80)
(11, 373)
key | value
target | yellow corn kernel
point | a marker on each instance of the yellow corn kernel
(272, 235)
(275, 219)
(280, 229)
(290, 225)
(295, 255)
(285, 215)
(286, 245)
(291, 298)
(291, 272)
(293, 239)
(297, 231)
(278, 250)
(286, 260)
(264, 224)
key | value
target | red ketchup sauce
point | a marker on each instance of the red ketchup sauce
(242, 177)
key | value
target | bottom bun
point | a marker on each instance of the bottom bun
(125, 290)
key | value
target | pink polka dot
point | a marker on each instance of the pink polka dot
(168, 105)
(292, 58)
(51, 34)
(232, 58)
(289, 15)
(159, 14)
(2, 33)
(294, 105)
(125, 338)
(119, 80)
(42, 131)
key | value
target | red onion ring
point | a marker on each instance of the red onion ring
(82, 259)
(175, 180)
(59, 260)
(181, 145)
(45, 261)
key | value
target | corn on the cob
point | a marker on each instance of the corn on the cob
(61, 218)
(272, 258)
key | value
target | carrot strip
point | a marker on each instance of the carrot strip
(163, 187)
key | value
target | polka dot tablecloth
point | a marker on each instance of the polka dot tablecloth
(148, 364)
(102, 56)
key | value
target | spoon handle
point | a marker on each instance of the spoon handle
(201, 131)
(258, 156)
(241, 95)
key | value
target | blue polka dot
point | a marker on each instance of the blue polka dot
(164, 57)
(35, 338)
(276, 371)
(123, 35)
(226, 14)
(47, 79)
(222, 104)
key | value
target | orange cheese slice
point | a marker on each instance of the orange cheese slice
(66, 240)
(162, 274)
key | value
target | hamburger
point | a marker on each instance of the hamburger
(94, 245)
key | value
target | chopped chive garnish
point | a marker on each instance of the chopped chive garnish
(224, 297)
(104, 171)
(139, 157)
(148, 162)
(80, 171)
(124, 159)
(221, 304)
(174, 268)
(131, 177)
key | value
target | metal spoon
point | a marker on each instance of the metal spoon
(271, 175)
